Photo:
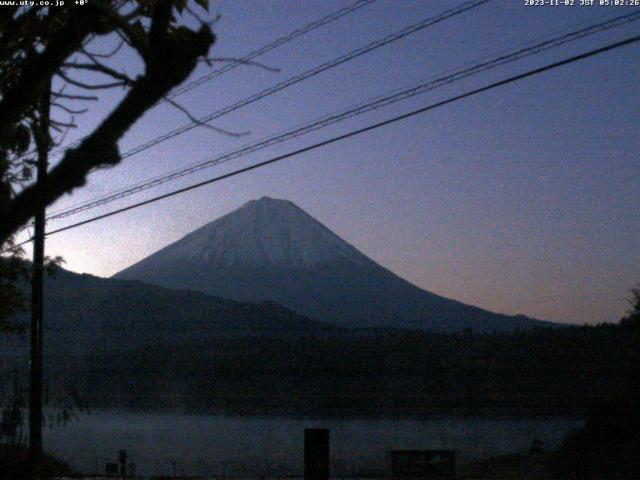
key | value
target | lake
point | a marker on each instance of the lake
(252, 446)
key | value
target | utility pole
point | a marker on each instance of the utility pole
(42, 140)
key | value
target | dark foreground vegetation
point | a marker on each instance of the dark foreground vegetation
(14, 464)
(544, 372)
(607, 446)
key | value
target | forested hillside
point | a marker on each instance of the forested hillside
(393, 373)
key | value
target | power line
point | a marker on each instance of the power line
(378, 102)
(267, 48)
(115, 194)
(332, 17)
(468, 5)
(309, 73)
(350, 134)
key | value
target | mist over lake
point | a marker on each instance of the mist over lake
(253, 445)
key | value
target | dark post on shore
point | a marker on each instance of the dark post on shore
(316, 454)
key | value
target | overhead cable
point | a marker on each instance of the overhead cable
(350, 134)
(378, 102)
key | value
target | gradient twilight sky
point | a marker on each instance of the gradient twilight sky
(523, 199)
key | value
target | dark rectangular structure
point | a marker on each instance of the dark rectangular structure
(432, 464)
(316, 454)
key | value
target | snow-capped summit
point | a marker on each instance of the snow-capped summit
(262, 233)
(270, 249)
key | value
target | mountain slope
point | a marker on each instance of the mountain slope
(271, 249)
(84, 313)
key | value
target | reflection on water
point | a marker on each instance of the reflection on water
(238, 446)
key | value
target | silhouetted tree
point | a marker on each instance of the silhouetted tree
(607, 446)
(40, 45)
(632, 319)
(39, 42)
(13, 273)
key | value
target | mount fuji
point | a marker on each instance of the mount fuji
(271, 250)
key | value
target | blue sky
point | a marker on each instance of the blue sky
(523, 199)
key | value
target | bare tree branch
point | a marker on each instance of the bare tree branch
(69, 110)
(62, 138)
(252, 63)
(74, 97)
(203, 124)
(57, 123)
(100, 68)
(135, 39)
(19, 96)
(103, 55)
(91, 86)
(172, 54)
